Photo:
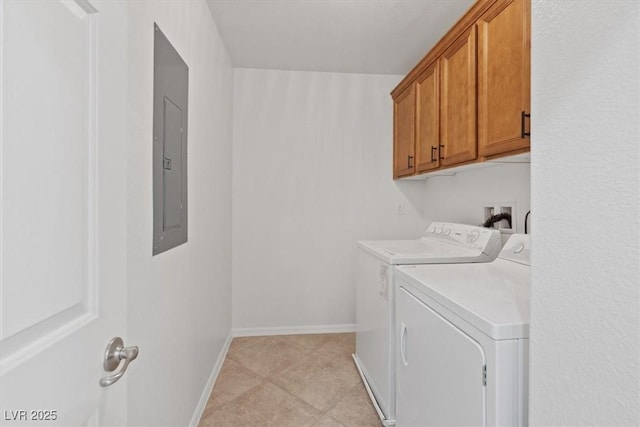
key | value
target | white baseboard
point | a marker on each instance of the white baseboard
(212, 380)
(294, 330)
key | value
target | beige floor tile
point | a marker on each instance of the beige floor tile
(355, 409)
(319, 379)
(265, 405)
(309, 341)
(340, 345)
(267, 355)
(233, 381)
(239, 342)
(290, 381)
(327, 421)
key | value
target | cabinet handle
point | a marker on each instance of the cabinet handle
(433, 150)
(409, 161)
(441, 151)
(522, 127)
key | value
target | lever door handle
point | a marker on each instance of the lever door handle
(114, 353)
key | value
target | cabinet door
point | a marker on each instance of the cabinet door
(427, 119)
(404, 133)
(440, 369)
(504, 76)
(458, 103)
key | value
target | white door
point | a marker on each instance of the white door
(440, 369)
(62, 212)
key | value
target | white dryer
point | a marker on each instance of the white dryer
(375, 299)
(462, 340)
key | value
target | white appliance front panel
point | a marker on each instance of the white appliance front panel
(439, 369)
(494, 297)
(506, 361)
(375, 301)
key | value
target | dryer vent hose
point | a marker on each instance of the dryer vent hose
(497, 218)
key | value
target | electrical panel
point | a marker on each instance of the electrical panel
(170, 102)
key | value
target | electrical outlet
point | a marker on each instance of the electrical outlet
(488, 213)
(491, 209)
(508, 208)
(399, 209)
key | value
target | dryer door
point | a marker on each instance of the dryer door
(440, 369)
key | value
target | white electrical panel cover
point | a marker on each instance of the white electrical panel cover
(170, 102)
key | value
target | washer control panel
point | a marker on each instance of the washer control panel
(470, 236)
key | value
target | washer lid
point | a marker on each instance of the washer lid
(443, 242)
(493, 297)
(421, 251)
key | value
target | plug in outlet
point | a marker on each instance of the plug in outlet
(503, 226)
(488, 213)
(504, 223)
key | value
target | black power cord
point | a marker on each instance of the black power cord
(497, 218)
(526, 217)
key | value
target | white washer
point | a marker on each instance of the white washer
(462, 339)
(375, 316)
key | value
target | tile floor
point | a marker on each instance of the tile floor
(290, 380)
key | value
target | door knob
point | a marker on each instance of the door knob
(114, 353)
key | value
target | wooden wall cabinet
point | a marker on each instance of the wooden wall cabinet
(468, 99)
(504, 77)
(404, 133)
(458, 105)
(428, 119)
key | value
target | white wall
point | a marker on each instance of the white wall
(585, 167)
(179, 302)
(311, 176)
(460, 198)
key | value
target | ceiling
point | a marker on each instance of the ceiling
(348, 36)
